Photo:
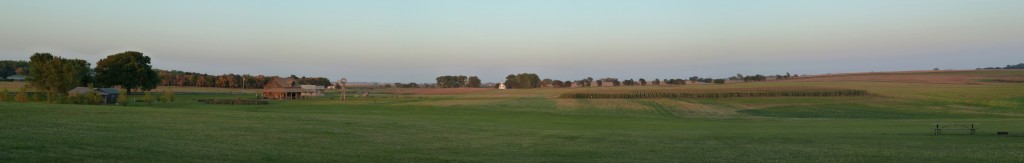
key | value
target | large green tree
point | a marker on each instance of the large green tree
(130, 70)
(57, 75)
(523, 80)
(474, 82)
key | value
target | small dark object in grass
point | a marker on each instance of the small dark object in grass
(1002, 133)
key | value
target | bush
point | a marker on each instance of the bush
(169, 95)
(4, 94)
(37, 96)
(122, 98)
(22, 95)
(148, 98)
(89, 99)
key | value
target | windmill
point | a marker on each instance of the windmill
(342, 82)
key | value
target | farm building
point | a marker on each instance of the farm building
(502, 86)
(16, 78)
(312, 90)
(282, 88)
(109, 95)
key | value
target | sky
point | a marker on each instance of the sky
(418, 40)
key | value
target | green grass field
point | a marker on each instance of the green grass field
(891, 125)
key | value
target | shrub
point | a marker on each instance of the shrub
(22, 95)
(4, 94)
(37, 96)
(95, 98)
(122, 98)
(169, 95)
(148, 98)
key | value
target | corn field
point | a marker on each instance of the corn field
(716, 93)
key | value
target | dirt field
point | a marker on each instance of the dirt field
(434, 91)
(935, 77)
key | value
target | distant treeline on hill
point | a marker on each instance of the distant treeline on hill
(193, 79)
(1018, 66)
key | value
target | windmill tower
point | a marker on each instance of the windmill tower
(342, 82)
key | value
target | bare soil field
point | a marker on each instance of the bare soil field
(434, 91)
(934, 77)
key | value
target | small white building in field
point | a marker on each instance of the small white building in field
(501, 85)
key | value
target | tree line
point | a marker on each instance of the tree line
(450, 81)
(55, 75)
(129, 70)
(194, 79)
(514, 81)
(1017, 66)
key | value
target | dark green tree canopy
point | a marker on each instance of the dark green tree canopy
(57, 75)
(130, 70)
(523, 80)
(474, 82)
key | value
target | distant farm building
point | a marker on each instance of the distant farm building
(502, 85)
(312, 90)
(109, 95)
(16, 78)
(282, 88)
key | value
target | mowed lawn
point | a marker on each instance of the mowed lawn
(892, 125)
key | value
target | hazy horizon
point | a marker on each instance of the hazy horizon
(416, 41)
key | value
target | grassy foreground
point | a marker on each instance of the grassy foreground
(892, 125)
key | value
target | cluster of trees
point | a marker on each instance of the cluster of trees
(193, 79)
(754, 78)
(400, 85)
(555, 83)
(523, 80)
(589, 81)
(8, 68)
(457, 81)
(585, 82)
(757, 77)
(1018, 66)
(760, 77)
(674, 81)
(56, 74)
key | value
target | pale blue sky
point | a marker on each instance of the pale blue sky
(404, 41)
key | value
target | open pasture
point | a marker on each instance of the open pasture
(893, 124)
